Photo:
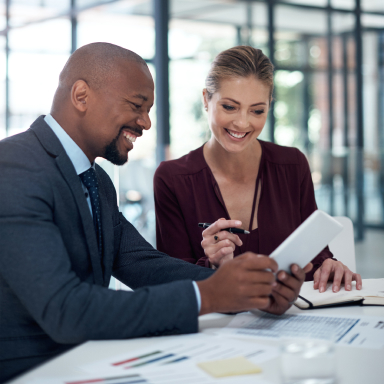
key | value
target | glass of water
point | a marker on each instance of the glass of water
(308, 360)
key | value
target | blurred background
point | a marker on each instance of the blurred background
(328, 101)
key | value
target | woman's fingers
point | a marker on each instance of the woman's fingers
(347, 279)
(219, 245)
(221, 224)
(325, 271)
(218, 251)
(223, 254)
(336, 271)
(359, 283)
(338, 274)
(225, 235)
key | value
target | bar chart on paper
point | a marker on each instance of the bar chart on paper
(174, 363)
(189, 375)
(183, 349)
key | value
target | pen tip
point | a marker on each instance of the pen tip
(247, 232)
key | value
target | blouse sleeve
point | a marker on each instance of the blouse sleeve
(171, 231)
(307, 207)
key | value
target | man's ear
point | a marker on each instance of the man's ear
(80, 95)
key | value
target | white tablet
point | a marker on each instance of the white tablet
(307, 241)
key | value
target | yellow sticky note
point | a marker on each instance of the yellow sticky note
(229, 367)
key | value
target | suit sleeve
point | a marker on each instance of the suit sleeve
(140, 264)
(171, 231)
(36, 268)
(307, 207)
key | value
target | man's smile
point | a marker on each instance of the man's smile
(129, 136)
(131, 133)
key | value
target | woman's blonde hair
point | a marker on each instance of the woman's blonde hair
(241, 61)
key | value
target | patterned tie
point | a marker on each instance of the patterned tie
(89, 179)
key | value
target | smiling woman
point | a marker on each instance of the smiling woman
(235, 179)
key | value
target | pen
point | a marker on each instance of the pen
(232, 230)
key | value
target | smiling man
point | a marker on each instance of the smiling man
(62, 236)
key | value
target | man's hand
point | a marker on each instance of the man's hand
(241, 284)
(286, 289)
(339, 273)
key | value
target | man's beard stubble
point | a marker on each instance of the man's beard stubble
(111, 153)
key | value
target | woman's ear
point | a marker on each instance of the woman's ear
(205, 99)
(79, 95)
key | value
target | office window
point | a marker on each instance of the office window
(38, 52)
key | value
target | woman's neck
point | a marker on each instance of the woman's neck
(240, 166)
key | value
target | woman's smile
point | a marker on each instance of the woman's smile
(236, 135)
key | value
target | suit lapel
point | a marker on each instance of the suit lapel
(53, 146)
(107, 232)
(73, 181)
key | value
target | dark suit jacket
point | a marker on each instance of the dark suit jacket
(53, 285)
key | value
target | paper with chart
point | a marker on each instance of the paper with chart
(176, 350)
(173, 361)
(367, 333)
(190, 374)
(360, 331)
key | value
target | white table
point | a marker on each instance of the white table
(355, 365)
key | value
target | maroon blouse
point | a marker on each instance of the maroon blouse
(186, 193)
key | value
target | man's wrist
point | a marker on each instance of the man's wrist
(206, 306)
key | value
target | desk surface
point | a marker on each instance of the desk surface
(355, 365)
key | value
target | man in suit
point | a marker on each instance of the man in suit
(62, 236)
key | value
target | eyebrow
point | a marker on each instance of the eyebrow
(253, 105)
(139, 96)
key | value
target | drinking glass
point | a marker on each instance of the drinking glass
(308, 360)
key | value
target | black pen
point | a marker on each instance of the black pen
(232, 230)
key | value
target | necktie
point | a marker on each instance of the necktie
(89, 179)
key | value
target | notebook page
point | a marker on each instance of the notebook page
(371, 287)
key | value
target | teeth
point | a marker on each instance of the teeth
(238, 136)
(129, 137)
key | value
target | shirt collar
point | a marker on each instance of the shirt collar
(79, 160)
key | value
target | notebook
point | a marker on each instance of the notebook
(372, 293)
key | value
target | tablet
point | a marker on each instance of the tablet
(307, 241)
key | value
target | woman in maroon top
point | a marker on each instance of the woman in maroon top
(236, 180)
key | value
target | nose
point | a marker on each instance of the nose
(241, 120)
(144, 121)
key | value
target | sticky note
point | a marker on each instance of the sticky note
(229, 367)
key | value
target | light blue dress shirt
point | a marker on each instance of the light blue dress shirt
(81, 163)
(79, 160)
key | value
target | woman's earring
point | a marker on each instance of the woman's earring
(206, 108)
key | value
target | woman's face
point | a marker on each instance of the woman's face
(237, 112)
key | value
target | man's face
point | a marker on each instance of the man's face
(119, 112)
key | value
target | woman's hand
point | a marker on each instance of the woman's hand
(219, 245)
(336, 271)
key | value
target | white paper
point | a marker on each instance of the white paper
(363, 331)
(188, 373)
(271, 326)
(367, 333)
(170, 367)
(176, 351)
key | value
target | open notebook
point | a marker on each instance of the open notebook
(372, 293)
